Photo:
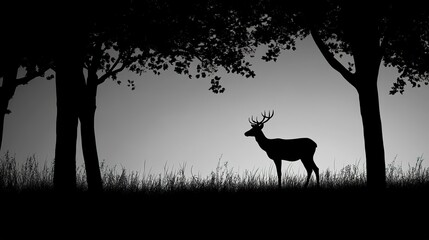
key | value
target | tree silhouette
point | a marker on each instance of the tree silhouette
(10, 82)
(106, 38)
(41, 35)
(368, 33)
(107, 54)
(18, 51)
(138, 36)
(187, 36)
(408, 45)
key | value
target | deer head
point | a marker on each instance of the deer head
(258, 125)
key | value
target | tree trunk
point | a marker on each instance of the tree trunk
(67, 74)
(3, 110)
(69, 81)
(4, 104)
(364, 36)
(7, 90)
(373, 136)
(71, 38)
(89, 143)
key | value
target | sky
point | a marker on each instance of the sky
(170, 121)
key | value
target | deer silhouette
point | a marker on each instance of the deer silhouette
(284, 149)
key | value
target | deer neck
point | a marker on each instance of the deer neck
(261, 140)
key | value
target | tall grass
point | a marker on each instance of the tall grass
(27, 176)
(30, 176)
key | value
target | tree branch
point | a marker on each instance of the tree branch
(190, 51)
(29, 77)
(331, 59)
(115, 63)
(112, 71)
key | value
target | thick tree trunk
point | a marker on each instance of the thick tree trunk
(373, 136)
(364, 37)
(68, 72)
(89, 143)
(71, 37)
(69, 88)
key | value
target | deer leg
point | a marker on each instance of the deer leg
(279, 171)
(309, 169)
(316, 171)
(314, 168)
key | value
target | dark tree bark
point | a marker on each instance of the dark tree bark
(67, 121)
(7, 90)
(373, 136)
(363, 37)
(71, 38)
(3, 111)
(89, 143)
(76, 101)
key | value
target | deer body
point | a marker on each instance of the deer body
(285, 149)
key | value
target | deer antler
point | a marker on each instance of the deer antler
(264, 120)
(253, 122)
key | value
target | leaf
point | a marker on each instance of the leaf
(50, 77)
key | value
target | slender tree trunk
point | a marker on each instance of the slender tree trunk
(7, 90)
(367, 62)
(89, 143)
(373, 136)
(3, 109)
(4, 104)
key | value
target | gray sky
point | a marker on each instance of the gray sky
(170, 120)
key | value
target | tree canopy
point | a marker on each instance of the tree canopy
(154, 35)
(369, 34)
(400, 30)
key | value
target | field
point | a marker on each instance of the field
(29, 177)
(172, 196)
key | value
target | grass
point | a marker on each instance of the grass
(30, 177)
(218, 202)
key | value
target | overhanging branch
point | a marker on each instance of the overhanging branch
(31, 76)
(112, 71)
(335, 64)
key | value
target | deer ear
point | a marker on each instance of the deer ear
(261, 126)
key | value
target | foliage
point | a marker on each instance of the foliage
(160, 35)
(401, 33)
(408, 45)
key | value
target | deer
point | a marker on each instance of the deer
(284, 149)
